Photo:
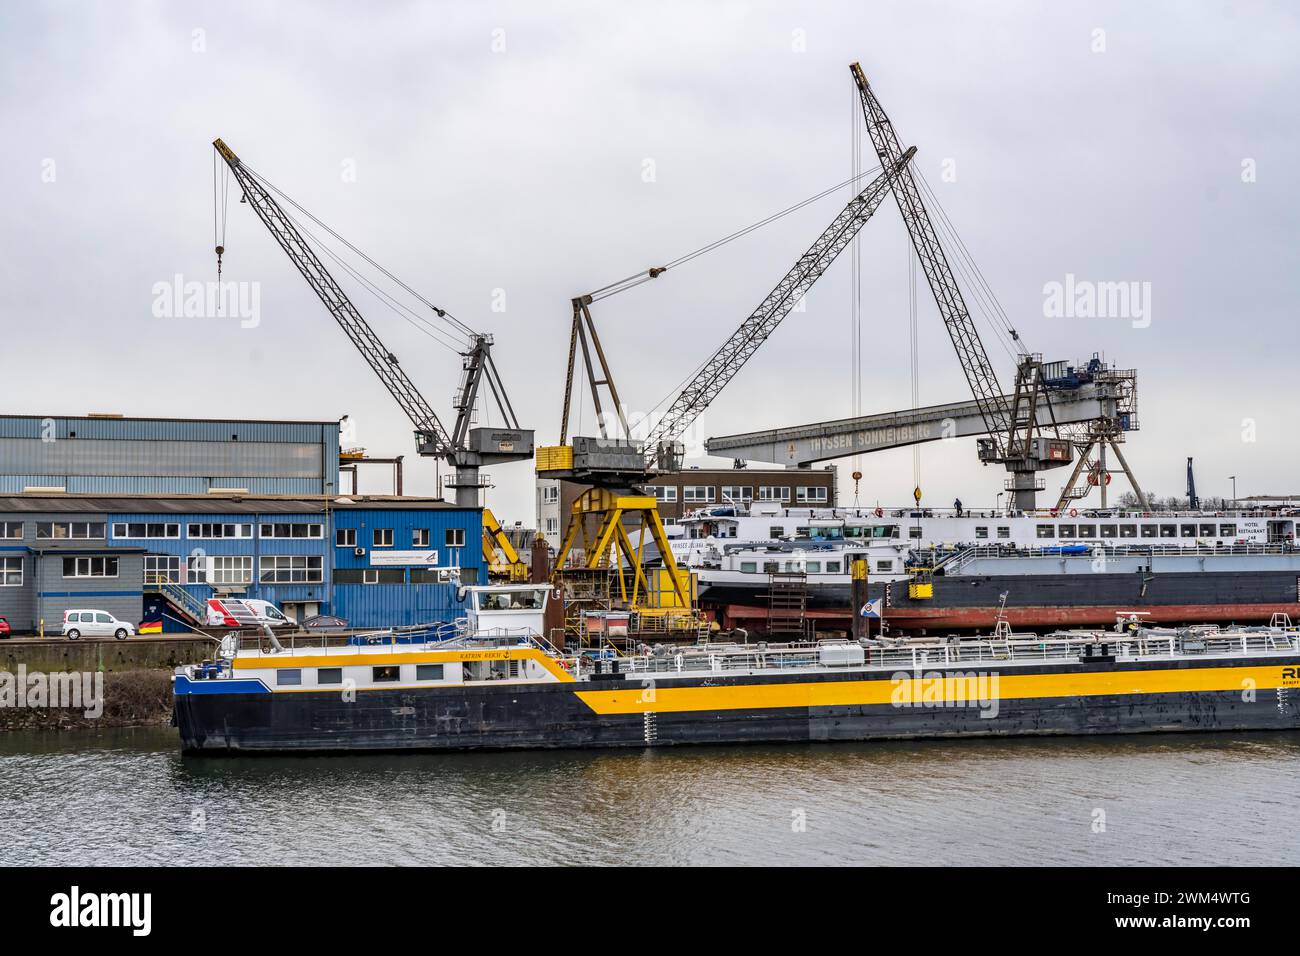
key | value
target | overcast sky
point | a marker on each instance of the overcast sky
(495, 156)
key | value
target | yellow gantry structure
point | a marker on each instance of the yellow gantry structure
(611, 548)
(499, 554)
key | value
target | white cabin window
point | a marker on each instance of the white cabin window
(428, 672)
(884, 565)
(288, 677)
(329, 675)
(981, 531)
(748, 567)
(833, 567)
(1004, 531)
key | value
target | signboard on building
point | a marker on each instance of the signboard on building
(403, 558)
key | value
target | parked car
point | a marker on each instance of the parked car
(94, 623)
(4, 629)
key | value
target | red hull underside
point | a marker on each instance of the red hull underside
(983, 618)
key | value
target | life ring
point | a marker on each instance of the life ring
(1053, 512)
(1074, 512)
(880, 512)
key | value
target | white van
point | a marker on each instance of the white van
(94, 623)
(245, 612)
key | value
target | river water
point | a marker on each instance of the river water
(128, 797)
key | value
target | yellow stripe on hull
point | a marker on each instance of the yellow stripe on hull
(636, 699)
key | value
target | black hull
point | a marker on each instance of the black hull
(551, 716)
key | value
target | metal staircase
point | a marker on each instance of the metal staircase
(191, 608)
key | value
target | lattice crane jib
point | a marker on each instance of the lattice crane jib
(956, 316)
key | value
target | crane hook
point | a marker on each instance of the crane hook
(220, 250)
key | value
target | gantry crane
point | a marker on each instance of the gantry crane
(1013, 428)
(465, 448)
(614, 465)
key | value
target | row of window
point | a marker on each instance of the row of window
(808, 567)
(707, 494)
(383, 538)
(1085, 531)
(163, 530)
(385, 674)
(280, 569)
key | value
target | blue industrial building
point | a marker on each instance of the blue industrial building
(132, 516)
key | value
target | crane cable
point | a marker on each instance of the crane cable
(443, 314)
(855, 289)
(220, 205)
(632, 281)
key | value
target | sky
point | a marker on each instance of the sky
(503, 157)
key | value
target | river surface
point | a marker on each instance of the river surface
(128, 797)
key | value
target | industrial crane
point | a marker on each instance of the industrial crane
(1015, 440)
(614, 466)
(465, 448)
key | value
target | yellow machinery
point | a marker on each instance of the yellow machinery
(499, 553)
(920, 584)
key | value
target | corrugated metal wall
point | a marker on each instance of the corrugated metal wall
(164, 456)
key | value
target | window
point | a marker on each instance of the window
(1128, 531)
(553, 525)
(1109, 531)
(1046, 531)
(739, 493)
(293, 530)
(832, 567)
(291, 569)
(1150, 530)
(329, 675)
(981, 531)
(389, 673)
(455, 538)
(345, 538)
(663, 493)
(1067, 531)
(90, 567)
(11, 530)
(748, 567)
(1169, 531)
(382, 538)
(198, 569)
(289, 677)
(11, 572)
(146, 529)
(916, 533)
(813, 567)
(218, 530)
(1227, 530)
(70, 529)
(1087, 531)
(428, 672)
(773, 493)
(884, 565)
(699, 494)
(812, 493)
(162, 569)
(420, 538)
(1207, 531)
(775, 531)
(370, 576)
(234, 569)
(1004, 531)
(550, 494)
(1187, 531)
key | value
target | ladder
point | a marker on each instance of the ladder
(787, 602)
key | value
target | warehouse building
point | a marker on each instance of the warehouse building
(147, 519)
(374, 561)
(111, 454)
